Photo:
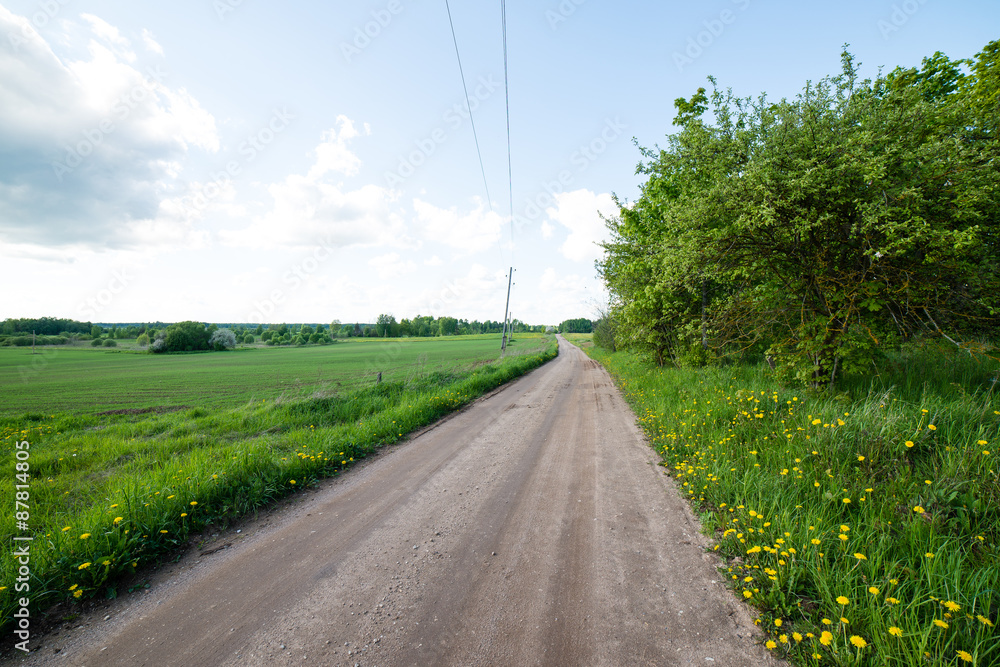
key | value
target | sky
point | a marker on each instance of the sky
(251, 161)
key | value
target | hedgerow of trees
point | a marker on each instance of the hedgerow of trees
(579, 325)
(816, 232)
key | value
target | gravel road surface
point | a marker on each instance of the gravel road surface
(532, 528)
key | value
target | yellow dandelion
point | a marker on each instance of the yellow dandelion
(860, 556)
(952, 606)
(826, 638)
(84, 566)
(931, 427)
(873, 590)
(858, 641)
(941, 624)
(771, 645)
(909, 443)
(892, 600)
(985, 621)
(84, 536)
(78, 593)
(841, 600)
(896, 632)
(797, 637)
(918, 509)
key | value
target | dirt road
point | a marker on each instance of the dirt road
(533, 528)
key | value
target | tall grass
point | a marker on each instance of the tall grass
(862, 524)
(112, 492)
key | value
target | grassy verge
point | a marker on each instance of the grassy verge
(111, 492)
(863, 525)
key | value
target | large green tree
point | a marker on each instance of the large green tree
(819, 227)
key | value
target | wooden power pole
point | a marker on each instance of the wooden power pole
(506, 309)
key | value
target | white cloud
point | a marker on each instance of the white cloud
(580, 212)
(479, 293)
(566, 296)
(471, 231)
(151, 43)
(111, 36)
(391, 266)
(333, 155)
(90, 148)
(316, 210)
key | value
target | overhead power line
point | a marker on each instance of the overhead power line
(468, 102)
(506, 89)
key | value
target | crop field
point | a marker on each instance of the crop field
(126, 457)
(85, 379)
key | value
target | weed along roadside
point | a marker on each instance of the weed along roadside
(115, 492)
(862, 525)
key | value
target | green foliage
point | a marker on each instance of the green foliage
(43, 326)
(580, 325)
(604, 332)
(386, 326)
(185, 336)
(110, 342)
(142, 340)
(820, 229)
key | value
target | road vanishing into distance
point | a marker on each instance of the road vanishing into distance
(532, 528)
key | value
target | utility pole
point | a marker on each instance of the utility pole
(506, 309)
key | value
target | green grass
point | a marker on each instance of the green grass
(110, 492)
(580, 340)
(877, 504)
(75, 379)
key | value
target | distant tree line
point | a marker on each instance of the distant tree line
(427, 326)
(580, 325)
(192, 336)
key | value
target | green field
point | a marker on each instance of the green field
(85, 379)
(126, 457)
